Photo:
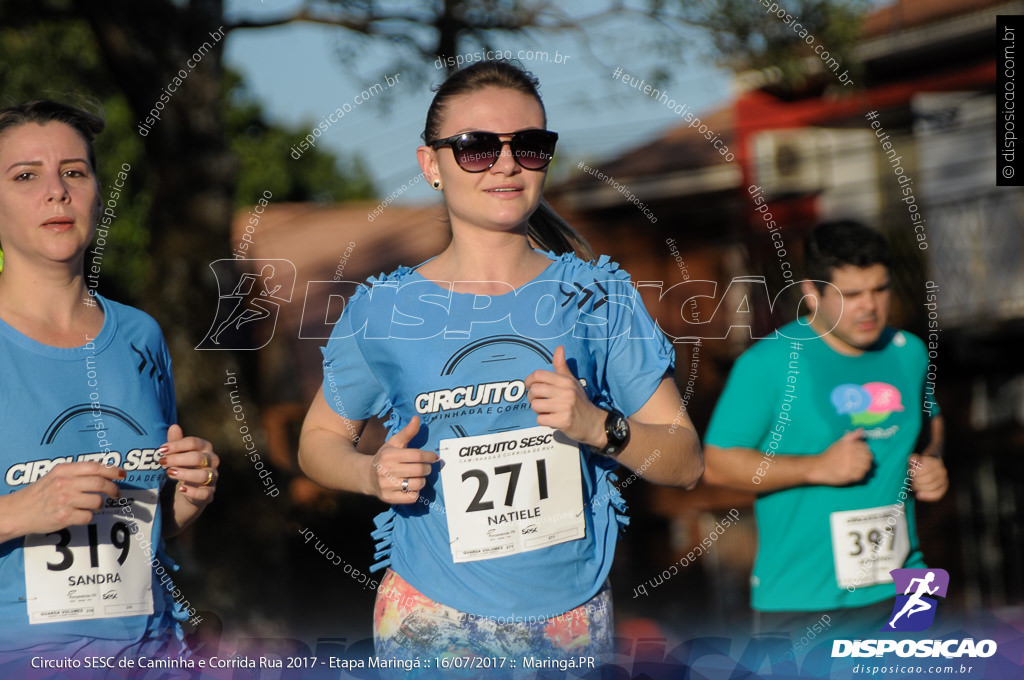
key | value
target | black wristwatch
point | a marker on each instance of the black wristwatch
(617, 428)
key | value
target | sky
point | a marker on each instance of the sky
(297, 75)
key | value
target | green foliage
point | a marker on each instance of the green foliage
(52, 59)
(60, 60)
(746, 36)
(264, 152)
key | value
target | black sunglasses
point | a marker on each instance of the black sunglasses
(479, 151)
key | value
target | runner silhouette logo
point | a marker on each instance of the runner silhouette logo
(914, 608)
(249, 302)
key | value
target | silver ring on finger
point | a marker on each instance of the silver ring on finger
(405, 486)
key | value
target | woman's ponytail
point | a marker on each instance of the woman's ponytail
(549, 231)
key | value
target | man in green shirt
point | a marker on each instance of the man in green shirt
(822, 421)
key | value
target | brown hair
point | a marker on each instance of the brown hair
(545, 227)
(43, 111)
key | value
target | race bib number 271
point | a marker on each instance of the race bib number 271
(511, 492)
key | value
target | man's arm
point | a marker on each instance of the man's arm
(744, 423)
(931, 480)
(937, 437)
(844, 462)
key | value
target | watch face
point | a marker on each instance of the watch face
(620, 428)
(617, 429)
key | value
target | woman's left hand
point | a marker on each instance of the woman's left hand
(558, 399)
(191, 462)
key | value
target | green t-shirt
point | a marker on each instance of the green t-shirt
(796, 397)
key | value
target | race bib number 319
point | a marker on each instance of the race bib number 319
(511, 492)
(97, 570)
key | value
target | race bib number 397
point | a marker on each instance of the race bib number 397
(97, 570)
(511, 492)
(867, 544)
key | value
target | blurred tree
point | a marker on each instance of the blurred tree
(746, 35)
(61, 60)
(265, 165)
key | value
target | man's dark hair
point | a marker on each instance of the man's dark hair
(839, 244)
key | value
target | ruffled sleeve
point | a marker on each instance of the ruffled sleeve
(351, 385)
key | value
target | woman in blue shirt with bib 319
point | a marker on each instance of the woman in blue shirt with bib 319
(95, 471)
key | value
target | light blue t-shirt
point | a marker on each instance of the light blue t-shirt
(794, 395)
(112, 400)
(406, 346)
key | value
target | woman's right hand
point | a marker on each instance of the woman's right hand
(70, 493)
(394, 463)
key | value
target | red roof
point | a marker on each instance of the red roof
(904, 14)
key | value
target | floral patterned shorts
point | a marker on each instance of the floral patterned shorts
(409, 627)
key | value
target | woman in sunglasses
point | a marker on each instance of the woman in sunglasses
(95, 471)
(514, 380)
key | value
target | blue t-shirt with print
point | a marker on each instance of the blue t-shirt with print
(405, 346)
(110, 400)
